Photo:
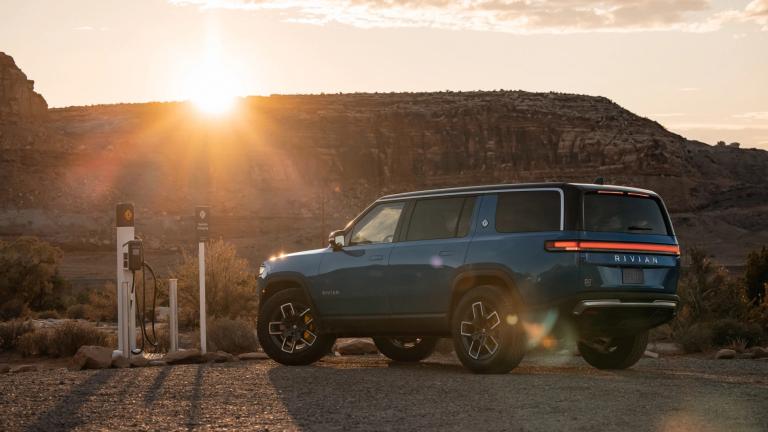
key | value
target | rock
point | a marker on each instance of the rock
(162, 314)
(355, 346)
(4, 368)
(253, 356)
(725, 354)
(139, 361)
(24, 368)
(121, 362)
(19, 103)
(745, 355)
(444, 346)
(666, 348)
(91, 357)
(218, 357)
(759, 352)
(651, 354)
(157, 363)
(184, 357)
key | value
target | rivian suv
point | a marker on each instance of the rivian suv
(496, 268)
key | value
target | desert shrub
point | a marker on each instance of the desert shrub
(756, 275)
(707, 292)
(729, 331)
(29, 273)
(48, 314)
(232, 336)
(11, 331)
(76, 311)
(102, 304)
(13, 309)
(229, 283)
(695, 338)
(63, 340)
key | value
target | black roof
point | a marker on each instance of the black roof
(497, 187)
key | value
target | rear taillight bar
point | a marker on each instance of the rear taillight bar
(601, 246)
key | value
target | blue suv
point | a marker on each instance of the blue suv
(499, 269)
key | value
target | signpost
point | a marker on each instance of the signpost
(202, 217)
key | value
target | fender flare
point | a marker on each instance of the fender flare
(479, 274)
(291, 279)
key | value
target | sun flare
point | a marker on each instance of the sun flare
(212, 88)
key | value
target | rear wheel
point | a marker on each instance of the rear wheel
(487, 332)
(614, 353)
(406, 349)
(288, 331)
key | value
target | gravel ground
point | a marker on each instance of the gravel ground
(370, 393)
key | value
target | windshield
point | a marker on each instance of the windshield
(617, 212)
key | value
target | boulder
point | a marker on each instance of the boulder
(23, 368)
(139, 361)
(156, 363)
(444, 346)
(121, 362)
(725, 354)
(184, 357)
(91, 357)
(759, 352)
(355, 346)
(253, 356)
(4, 368)
(218, 357)
(745, 355)
(651, 354)
(666, 348)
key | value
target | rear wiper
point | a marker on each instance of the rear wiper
(639, 228)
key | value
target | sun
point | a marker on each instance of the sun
(212, 88)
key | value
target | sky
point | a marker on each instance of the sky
(699, 67)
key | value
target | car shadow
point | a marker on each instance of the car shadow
(193, 418)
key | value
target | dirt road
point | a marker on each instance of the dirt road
(370, 393)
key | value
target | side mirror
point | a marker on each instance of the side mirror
(336, 240)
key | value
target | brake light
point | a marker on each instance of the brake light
(578, 245)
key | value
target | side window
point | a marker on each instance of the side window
(439, 218)
(378, 225)
(528, 211)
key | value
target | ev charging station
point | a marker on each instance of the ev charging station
(130, 259)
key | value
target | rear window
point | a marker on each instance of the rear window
(623, 213)
(528, 211)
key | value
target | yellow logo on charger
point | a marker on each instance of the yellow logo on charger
(128, 215)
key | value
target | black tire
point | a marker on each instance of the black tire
(487, 331)
(288, 331)
(617, 353)
(406, 349)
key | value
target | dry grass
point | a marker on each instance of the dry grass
(63, 340)
(12, 331)
(232, 336)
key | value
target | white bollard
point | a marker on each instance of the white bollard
(174, 315)
(201, 259)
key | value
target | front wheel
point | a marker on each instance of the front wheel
(614, 353)
(488, 333)
(406, 349)
(288, 331)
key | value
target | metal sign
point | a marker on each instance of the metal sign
(124, 215)
(202, 218)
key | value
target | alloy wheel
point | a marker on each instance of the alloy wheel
(292, 327)
(480, 331)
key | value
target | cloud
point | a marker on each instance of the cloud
(755, 115)
(513, 16)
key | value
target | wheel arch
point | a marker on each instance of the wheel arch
(474, 277)
(285, 280)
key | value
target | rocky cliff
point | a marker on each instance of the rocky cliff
(18, 101)
(282, 171)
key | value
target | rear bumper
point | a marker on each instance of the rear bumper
(620, 313)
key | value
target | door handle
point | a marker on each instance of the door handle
(376, 257)
(445, 253)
